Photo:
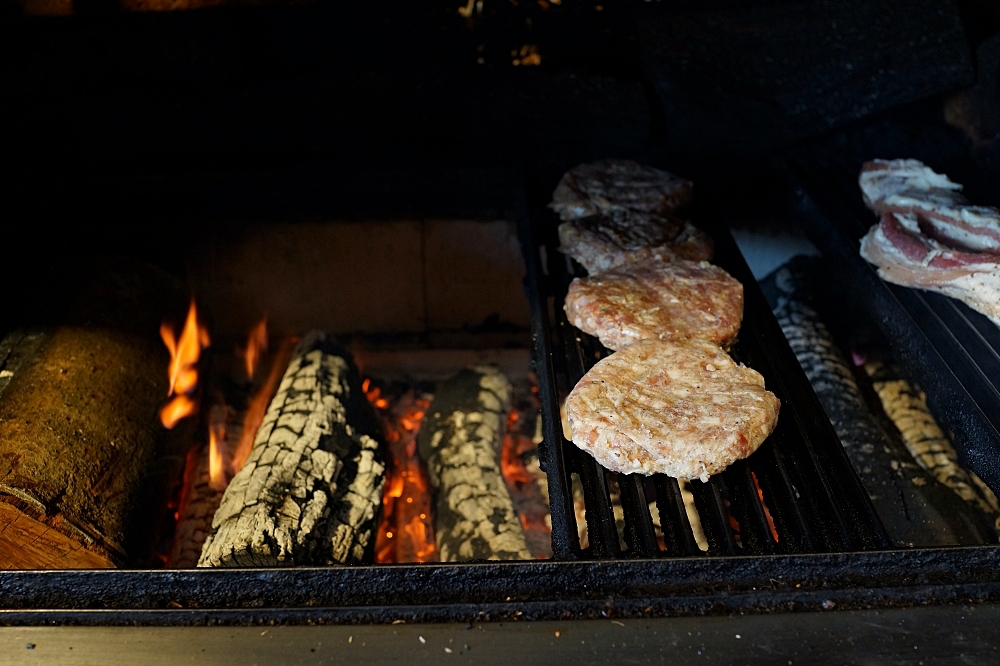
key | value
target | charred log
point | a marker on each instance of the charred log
(460, 440)
(311, 488)
(197, 508)
(915, 507)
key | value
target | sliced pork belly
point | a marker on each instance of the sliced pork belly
(620, 236)
(588, 189)
(682, 409)
(680, 300)
(910, 187)
(905, 256)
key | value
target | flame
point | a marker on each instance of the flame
(258, 405)
(218, 418)
(183, 369)
(767, 512)
(516, 474)
(256, 345)
(406, 533)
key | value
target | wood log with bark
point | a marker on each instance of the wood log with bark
(460, 440)
(311, 489)
(78, 422)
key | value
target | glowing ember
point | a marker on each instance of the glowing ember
(256, 345)
(217, 450)
(529, 501)
(514, 444)
(406, 533)
(767, 512)
(258, 405)
(183, 370)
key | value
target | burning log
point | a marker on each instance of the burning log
(79, 427)
(460, 441)
(204, 484)
(310, 490)
(525, 479)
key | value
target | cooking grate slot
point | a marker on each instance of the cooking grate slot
(798, 493)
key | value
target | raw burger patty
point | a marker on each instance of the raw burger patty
(686, 410)
(591, 188)
(675, 301)
(618, 237)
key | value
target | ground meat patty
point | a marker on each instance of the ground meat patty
(685, 410)
(618, 237)
(591, 188)
(675, 301)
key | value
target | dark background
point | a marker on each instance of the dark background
(140, 132)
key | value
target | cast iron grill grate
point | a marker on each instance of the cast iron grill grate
(951, 351)
(810, 490)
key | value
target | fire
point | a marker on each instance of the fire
(511, 465)
(256, 345)
(258, 405)
(516, 474)
(406, 533)
(767, 512)
(218, 479)
(183, 370)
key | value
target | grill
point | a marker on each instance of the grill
(831, 551)
(951, 350)
(814, 497)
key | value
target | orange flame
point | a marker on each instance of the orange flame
(176, 409)
(217, 422)
(767, 512)
(256, 345)
(406, 533)
(258, 405)
(183, 370)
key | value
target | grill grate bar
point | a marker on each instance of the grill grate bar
(709, 498)
(755, 532)
(781, 496)
(640, 535)
(602, 529)
(674, 522)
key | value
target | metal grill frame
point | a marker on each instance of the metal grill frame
(569, 586)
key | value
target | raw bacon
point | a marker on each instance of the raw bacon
(910, 187)
(911, 259)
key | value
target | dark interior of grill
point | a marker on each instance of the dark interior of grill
(398, 160)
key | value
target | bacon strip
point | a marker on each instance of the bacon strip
(911, 259)
(909, 187)
(926, 251)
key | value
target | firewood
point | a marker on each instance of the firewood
(201, 497)
(312, 486)
(196, 512)
(460, 440)
(78, 421)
